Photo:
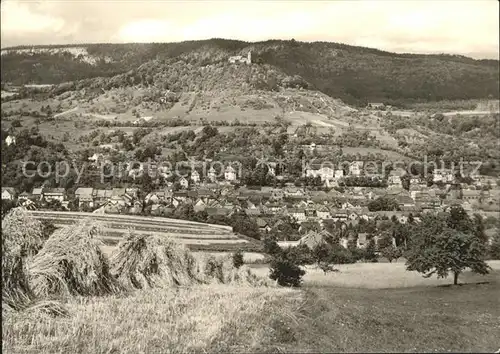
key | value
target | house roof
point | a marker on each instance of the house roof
(296, 210)
(205, 193)
(253, 212)
(261, 222)
(471, 193)
(410, 208)
(54, 191)
(217, 211)
(11, 190)
(116, 192)
(404, 199)
(37, 191)
(103, 193)
(84, 191)
(312, 239)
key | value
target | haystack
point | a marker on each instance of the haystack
(71, 263)
(22, 233)
(21, 239)
(221, 270)
(16, 292)
(148, 261)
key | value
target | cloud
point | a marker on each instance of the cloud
(462, 27)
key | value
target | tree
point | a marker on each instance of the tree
(238, 259)
(271, 247)
(441, 244)
(245, 225)
(383, 204)
(494, 251)
(369, 254)
(16, 123)
(285, 271)
(391, 253)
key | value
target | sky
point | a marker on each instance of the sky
(466, 27)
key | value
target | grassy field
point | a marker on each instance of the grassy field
(321, 317)
(380, 276)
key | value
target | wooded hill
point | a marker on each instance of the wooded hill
(354, 74)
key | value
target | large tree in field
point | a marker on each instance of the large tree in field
(449, 243)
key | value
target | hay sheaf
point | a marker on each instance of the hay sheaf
(71, 263)
(22, 233)
(149, 261)
(146, 261)
(21, 239)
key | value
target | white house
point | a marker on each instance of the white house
(8, 193)
(212, 176)
(195, 176)
(338, 174)
(96, 157)
(324, 172)
(299, 214)
(443, 175)
(394, 180)
(230, 174)
(85, 196)
(355, 168)
(54, 194)
(10, 140)
(183, 182)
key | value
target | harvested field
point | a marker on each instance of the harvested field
(196, 236)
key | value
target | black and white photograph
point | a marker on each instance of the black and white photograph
(250, 176)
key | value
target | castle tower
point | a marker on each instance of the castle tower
(249, 57)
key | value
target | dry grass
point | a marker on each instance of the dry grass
(222, 318)
(205, 318)
(72, 263)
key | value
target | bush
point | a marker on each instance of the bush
(271, 247)
(286, 272)
(238, 259)
(16, 123)
(494, 251)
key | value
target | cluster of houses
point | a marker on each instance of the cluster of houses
(264, 202)
(315, 238)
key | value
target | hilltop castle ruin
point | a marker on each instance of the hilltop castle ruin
(241, 59)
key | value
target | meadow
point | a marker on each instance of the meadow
(328, 314)
(381, 276)
(151, 294)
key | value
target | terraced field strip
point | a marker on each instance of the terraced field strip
(196, 236)
(77, 215)
(148, 227)
(109, 231)
(124, 219)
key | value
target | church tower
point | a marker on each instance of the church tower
(249, 57)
